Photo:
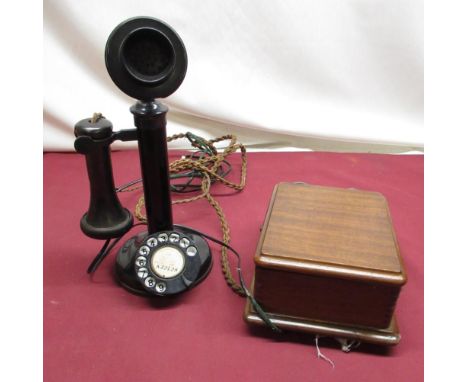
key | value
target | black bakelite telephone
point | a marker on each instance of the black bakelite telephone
(146, 59)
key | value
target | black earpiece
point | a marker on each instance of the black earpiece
(105, 218)
(146, 58)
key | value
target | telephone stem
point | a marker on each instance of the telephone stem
(150, 122)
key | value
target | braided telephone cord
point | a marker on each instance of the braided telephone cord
(209, 166)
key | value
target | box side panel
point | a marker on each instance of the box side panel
(348, 302)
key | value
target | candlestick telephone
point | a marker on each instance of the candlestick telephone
(147, 60)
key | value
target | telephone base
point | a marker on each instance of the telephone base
(127, 255)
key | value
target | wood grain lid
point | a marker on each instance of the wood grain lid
(332, 231)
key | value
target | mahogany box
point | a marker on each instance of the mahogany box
(328, 263)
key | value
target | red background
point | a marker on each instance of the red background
(96, 331)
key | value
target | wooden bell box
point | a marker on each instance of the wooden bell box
(328, 263)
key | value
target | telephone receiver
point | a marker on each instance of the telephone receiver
(147, 60)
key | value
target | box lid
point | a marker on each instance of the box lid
(330, 231)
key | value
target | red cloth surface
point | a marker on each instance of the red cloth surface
(94, 330)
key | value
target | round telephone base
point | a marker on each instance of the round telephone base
(126, 256)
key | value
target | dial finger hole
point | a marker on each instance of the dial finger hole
(144, 250)
(150, 282)
(152, 242)
(160, 287)
(174, 238)
(191, 251)
(140, 261)
(184, 242)
(142, 273)
(162, 237)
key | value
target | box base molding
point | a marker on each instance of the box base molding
(388, 336)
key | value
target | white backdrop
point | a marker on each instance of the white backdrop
(318, 74)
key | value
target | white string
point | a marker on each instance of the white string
(347, 345)
(320, 354)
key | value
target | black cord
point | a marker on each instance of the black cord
(105, 250)
(188, 186)
(126, 185)
(185, 187)
(96, 261)
(263, 315)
